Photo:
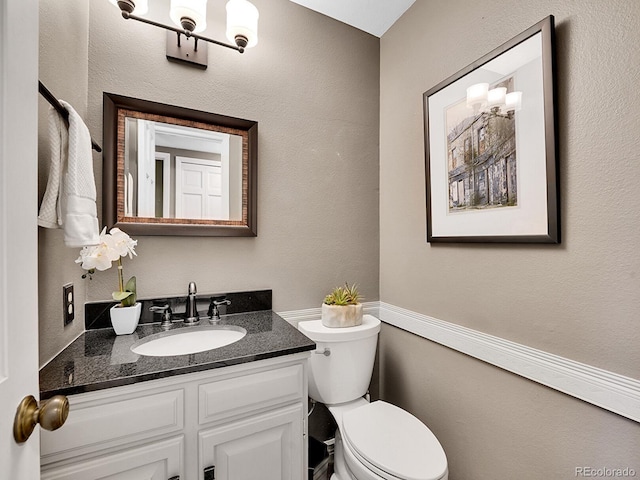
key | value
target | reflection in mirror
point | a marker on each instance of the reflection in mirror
(171, 171)
(175, 171)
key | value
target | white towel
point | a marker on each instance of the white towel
(70, 197)
(50, 215)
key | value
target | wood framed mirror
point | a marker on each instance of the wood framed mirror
(170, 170)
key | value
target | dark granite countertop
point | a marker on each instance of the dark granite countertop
(101, 359)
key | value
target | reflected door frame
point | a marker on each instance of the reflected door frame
(165, 158)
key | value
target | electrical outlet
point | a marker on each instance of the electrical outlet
(69, 305)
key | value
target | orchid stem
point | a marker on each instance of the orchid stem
(120, 278)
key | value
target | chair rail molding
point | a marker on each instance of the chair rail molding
(608, 390)
(295, 316)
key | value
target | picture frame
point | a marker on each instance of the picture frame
(491, 162)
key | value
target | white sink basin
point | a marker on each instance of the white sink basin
(188, 340)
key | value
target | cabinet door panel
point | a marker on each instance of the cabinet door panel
(250, 393)
(109, 423)
(156, 461)
(268, 447)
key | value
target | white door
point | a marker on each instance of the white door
(201, 189)
(18, 230)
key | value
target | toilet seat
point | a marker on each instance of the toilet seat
(392, 443)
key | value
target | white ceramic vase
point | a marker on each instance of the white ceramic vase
(125, 319)
(340, 316)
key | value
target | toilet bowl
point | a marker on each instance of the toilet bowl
(374, 441)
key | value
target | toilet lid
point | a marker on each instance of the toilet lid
(393, 441)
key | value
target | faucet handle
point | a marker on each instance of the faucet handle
(214, 303)
(220, 301)
(160, 308)
(166, 312)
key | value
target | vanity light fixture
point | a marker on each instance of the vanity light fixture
(190, 17)
(495, 101)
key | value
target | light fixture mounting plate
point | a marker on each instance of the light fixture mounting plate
(181, 48)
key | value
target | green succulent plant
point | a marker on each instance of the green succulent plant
(346, 295)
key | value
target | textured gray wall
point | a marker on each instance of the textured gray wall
(64, 67)
(313, 85)
(580, 299)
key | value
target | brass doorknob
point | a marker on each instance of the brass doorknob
(51, 415)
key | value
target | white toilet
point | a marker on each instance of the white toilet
(374, 441)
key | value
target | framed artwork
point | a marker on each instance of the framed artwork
(490, 146)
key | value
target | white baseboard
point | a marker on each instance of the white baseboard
(605, 389)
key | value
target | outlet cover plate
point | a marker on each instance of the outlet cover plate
(69, 305)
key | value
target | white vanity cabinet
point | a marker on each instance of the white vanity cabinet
(240, 422)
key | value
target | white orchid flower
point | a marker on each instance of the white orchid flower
(123, 244)
(94, 257)
(112, 247)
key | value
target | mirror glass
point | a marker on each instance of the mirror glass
(171, 171)
(175, 171)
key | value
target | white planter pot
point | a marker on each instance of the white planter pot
(125, 319)
(340, 316)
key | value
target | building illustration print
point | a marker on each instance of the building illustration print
(481, 152)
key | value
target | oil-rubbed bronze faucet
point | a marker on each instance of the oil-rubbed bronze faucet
(191, 311)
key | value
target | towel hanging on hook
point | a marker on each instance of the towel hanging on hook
(49, 97)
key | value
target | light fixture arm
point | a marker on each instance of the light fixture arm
(126, 15)
(195, 46)
(495, 112)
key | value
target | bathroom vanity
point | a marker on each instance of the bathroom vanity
(236, 412)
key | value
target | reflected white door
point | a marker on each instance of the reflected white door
(18, 231)
(201, 189)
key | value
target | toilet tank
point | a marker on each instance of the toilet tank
(343, 375)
